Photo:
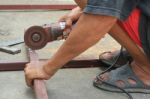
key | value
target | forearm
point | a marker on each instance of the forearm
(88, 31)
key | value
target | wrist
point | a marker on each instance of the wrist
(75, 13)
(49, 69)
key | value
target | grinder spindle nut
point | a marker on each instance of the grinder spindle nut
(36, 37)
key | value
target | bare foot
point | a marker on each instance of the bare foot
(141, 73)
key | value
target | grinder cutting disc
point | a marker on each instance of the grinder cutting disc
(36, 37)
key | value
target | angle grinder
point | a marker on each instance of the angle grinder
(36, 37)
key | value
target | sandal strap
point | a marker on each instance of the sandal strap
(123, 59)
(125, 73)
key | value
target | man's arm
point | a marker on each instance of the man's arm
(87, 32)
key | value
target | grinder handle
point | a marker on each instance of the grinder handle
(57, 30)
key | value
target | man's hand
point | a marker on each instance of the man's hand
(35, 72)
(70, 18)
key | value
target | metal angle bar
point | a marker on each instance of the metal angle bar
(10, 50)
(38, 7)
(39, 85)
(75, 63)
(15, 66)
(12, 66)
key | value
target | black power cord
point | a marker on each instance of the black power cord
(109, 68)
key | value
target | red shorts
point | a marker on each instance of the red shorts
(131, 26)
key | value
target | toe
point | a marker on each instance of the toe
(103, 77)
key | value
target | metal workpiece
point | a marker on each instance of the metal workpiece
(38, 7)
(6, 45)
(36, 37)
(10, 50)
(38, 85)
(20, 65)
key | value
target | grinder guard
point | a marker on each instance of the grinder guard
(36, 37)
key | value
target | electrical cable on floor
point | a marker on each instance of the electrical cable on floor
(109, 68)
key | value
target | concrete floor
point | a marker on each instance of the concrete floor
(67, 83)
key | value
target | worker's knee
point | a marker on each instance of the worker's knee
(81, 3)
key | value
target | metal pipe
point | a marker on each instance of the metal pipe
(38, 7)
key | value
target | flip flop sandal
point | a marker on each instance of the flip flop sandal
(124, 58)
(122, 74)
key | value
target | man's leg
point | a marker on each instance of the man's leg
(141, 64)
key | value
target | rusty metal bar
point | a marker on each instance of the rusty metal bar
(38, 7)
(82, 62)
(39, 85)
(14, 66)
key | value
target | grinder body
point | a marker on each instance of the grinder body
(36, 37)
